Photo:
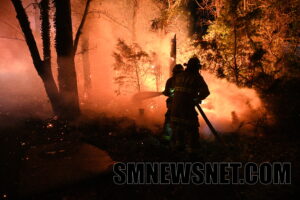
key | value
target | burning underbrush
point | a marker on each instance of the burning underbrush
(230, 109)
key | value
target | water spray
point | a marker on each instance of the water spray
(140, 96)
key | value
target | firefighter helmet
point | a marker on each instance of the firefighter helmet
(177, 68)
(193, 64)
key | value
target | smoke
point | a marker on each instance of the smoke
(231, 108)
(21, 90)
(228, 107)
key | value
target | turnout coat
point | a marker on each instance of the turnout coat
(190, 88)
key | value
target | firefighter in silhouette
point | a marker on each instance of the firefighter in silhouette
(190, 89)
(169, 92)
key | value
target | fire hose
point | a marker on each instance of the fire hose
(213, 130)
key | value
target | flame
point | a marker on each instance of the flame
(227, 107)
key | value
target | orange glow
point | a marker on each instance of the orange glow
(226, 107)
(49, 125)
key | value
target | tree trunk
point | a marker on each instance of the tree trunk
(36, 17)
(51, 89)
(137, 74)
(42, 67)
(86, 65)
(47, 76)
(83, 30)
(134, 15)
(25, 26)
(65, 59)
(236, 69)
(133, 30)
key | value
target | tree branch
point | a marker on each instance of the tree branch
(11, 26)
(12, 38)
(111, 18)
(198, 4)
(31, 4)
(78, 33)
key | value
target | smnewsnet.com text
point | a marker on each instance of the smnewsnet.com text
(202, 173)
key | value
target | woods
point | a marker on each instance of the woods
(258, 47)
(250, 43)
(81, 88)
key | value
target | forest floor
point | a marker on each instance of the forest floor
(125, 142)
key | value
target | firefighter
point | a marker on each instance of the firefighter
(169, 92)
(190, 89)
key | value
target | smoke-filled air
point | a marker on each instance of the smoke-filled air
(149, 99)
(113, 31)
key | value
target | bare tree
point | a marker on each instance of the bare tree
(64, 100)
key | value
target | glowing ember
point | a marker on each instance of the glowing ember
(49, 125)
